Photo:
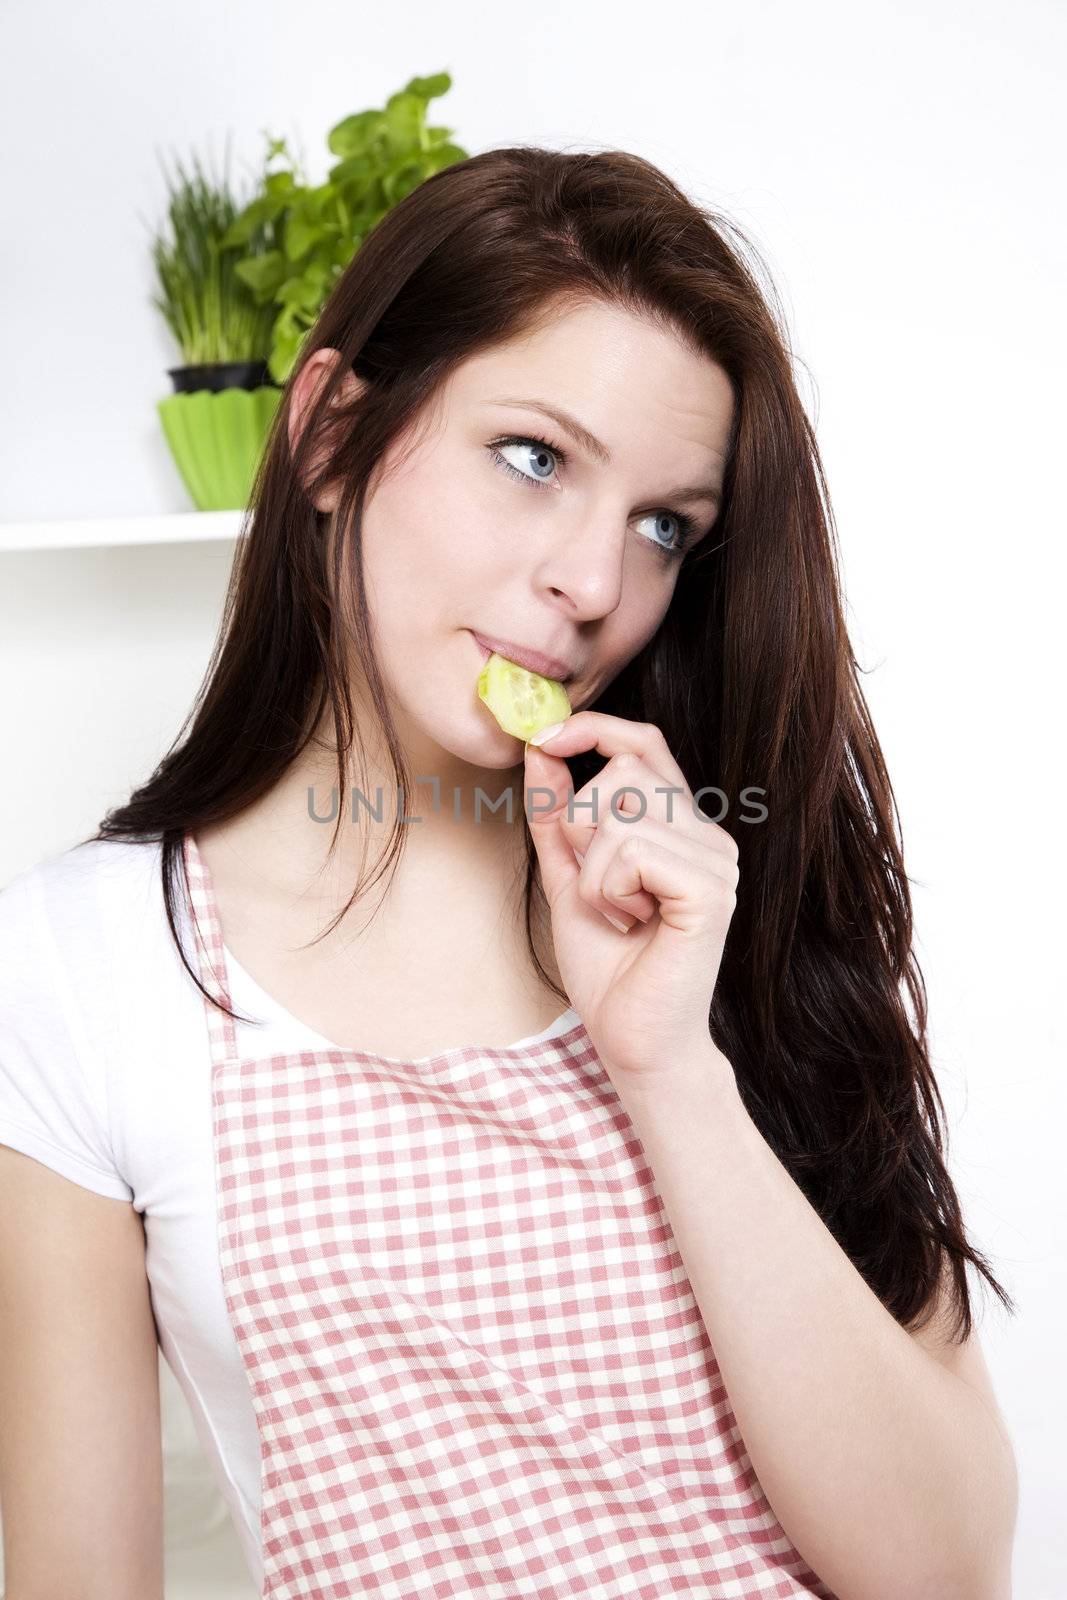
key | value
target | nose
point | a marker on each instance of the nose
(585, 568)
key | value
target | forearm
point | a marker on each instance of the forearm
(884, 1469)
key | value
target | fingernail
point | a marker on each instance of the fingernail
(623, 927)
(545, 733)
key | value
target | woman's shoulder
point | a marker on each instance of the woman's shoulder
(77, 863)
(72, 900)
(64, 965)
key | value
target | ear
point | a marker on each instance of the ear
(307, 386)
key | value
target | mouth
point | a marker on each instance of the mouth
(532, 660)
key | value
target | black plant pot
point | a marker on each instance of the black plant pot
(216, 375)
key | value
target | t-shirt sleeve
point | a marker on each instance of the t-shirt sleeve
(53, 1101)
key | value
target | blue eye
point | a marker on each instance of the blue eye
(541, 452)
(544, 450)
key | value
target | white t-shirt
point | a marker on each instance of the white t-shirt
(105, 1076)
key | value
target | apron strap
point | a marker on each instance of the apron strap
(210, 951)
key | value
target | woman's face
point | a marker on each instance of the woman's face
(474, 525)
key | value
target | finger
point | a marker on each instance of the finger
(545, 802)
(627, 784)
(690, 897)
(640, 906)
(616, 736)
(622, 920)
(703, 856)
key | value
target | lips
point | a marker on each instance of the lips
(533, 660)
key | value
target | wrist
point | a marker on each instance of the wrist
(701, 1071)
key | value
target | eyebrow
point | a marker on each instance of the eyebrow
(600, 452)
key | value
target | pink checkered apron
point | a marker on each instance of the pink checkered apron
(476, 1363)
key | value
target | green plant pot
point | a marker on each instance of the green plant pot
(217, 439)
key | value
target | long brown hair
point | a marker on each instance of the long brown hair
(820, 1005)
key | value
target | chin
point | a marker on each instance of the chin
(502, 750)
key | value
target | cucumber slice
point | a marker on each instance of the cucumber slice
(521, 701)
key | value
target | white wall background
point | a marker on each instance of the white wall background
(900, 165)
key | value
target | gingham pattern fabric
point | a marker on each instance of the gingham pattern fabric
(476, 1363)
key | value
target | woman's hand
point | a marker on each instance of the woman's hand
(644, 995)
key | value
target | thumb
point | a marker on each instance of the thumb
(548, 789)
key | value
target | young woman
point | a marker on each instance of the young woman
(661, 1293)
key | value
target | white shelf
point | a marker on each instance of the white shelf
(87, 533)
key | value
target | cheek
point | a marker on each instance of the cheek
(624, 636)
(470, 542)
(431, 548)
(645, 603)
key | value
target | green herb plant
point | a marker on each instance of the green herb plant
(384, 155)
(206, 302)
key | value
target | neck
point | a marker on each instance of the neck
(461, 821)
